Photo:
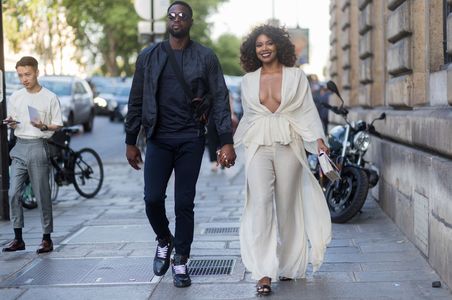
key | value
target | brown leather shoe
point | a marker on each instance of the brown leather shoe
(14, 245)
(45, 247)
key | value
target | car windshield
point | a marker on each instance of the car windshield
(61, 88)
(11, 78)
(104, 84)
(122, 91)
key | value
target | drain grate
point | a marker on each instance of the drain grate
(222, 230)
(206, 267)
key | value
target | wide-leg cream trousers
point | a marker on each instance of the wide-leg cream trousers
(273, 240)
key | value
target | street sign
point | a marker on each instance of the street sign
(143, 8)
(144, 27)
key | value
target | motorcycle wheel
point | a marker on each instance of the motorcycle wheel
(347, 198)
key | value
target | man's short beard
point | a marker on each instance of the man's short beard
(178, 34)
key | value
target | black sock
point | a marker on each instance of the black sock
(46, 237)
(18, 234)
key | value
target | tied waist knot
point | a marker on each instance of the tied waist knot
(268, 130)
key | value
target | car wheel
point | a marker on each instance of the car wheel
(88, 126)
(70, 119)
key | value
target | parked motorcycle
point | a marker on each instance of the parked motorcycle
(348, 144)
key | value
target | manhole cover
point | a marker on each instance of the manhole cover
(89, 271)
(206, 267)
(222, 230)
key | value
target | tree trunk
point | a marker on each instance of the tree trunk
(110, 57)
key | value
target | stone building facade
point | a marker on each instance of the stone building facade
(396, 56)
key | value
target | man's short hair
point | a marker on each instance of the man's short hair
(27, 61)
(181, 3)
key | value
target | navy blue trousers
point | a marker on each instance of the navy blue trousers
(184, 156)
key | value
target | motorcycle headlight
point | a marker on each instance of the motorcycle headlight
(361, 141)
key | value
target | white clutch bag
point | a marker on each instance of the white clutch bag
(328, 167)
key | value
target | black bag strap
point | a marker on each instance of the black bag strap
(177, 70)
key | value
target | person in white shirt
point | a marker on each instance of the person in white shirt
(34, 114)
(286, 223)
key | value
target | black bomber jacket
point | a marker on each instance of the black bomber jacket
(202, 72)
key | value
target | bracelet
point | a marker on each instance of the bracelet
(44, 128)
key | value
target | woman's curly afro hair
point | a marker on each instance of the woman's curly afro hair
(285, 48)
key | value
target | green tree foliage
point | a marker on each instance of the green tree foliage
(202, 9)
(227, 48)
(106, 29)
(103, 32)
(39, 23)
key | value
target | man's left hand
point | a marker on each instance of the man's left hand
(37, 124)
(226, 156)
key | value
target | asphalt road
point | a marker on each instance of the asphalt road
(107, 138)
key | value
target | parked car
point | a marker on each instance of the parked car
(76, 99)
(12, 83)
(103, 88)
(120, 101)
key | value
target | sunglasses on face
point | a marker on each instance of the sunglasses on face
(182, 16)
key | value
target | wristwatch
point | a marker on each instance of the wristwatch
(44, 128)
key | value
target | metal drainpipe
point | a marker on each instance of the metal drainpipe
(4, 165)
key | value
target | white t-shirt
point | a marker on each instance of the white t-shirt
(44, 101)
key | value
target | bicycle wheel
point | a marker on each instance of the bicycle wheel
(88, 172)
(54, 188)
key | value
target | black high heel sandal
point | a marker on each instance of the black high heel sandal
(263, 289)
(282, 278)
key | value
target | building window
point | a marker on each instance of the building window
(447, 11)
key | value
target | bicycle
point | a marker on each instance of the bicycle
(83, 169)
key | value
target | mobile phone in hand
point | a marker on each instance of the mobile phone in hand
(10, 121)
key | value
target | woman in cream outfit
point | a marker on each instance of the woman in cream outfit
(284, 206)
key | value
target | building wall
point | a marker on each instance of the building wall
(389, 56)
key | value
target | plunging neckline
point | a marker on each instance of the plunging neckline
(259, 89)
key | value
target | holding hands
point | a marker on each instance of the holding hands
(226, 156)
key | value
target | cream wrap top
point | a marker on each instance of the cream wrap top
(296, 117)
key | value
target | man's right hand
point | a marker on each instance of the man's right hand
(10, 122)
(133, 155)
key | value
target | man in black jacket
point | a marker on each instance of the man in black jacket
(175, 134)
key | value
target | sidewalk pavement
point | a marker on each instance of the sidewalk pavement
(104, 249)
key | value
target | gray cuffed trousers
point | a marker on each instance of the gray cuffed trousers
(30, 160)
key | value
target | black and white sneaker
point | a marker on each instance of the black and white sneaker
(163, 255)
(181, 278)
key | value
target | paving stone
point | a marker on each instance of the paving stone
(371, 257)
(138, 292)
(397, 276)
(213, 252)
(388, 247)
(110, 234)
(368, 258)
(412, 265)
(208, 245)
(10, 294)
(340, 267)
(205, 291)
